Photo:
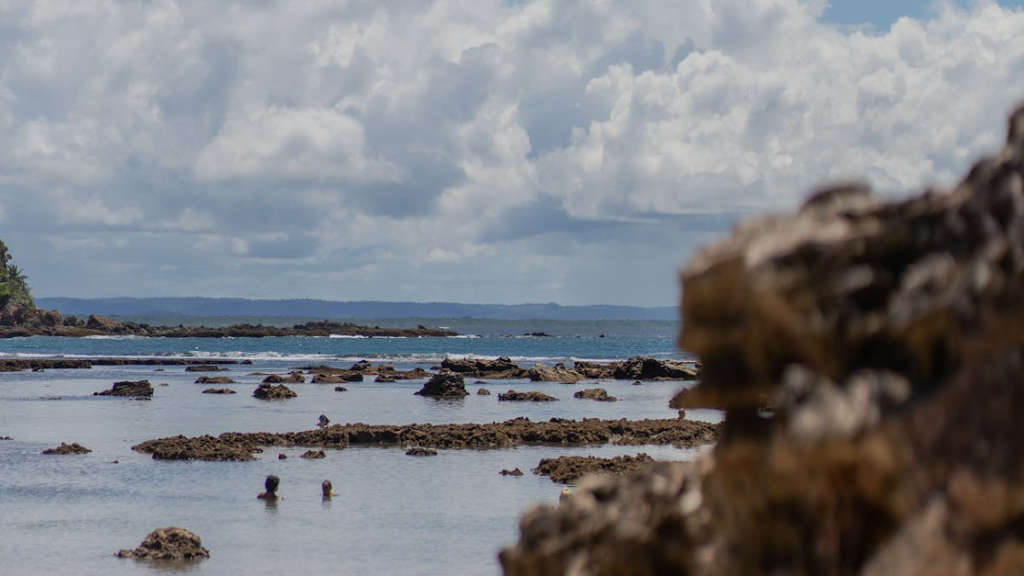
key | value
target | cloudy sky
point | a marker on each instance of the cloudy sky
(464, 150)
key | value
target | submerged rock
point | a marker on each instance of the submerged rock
(272, 392)
(531, 396)
(219, 391)
(203, 368)
(168, 544)
(64, 448)
(314, 454)
(139, 389)
(444, 386)
(292, 378)
(214, 380)
(483, 392)
(599, 394)
(512, 472)
(419, 451)
(340, 389)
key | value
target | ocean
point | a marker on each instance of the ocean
(391, 514)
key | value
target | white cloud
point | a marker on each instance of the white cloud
(465, 148)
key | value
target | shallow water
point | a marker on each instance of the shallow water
(392, 513)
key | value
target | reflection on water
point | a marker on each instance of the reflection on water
(390, 513)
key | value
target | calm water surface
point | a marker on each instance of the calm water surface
(392, 513)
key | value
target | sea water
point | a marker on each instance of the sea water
(391, 514)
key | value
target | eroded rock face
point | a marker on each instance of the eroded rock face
(64, 449)
(138, 389)
(171, 543)
(292, 378)
(599, 394)
(887, 341)
(444, 386)
(531, 396)
(502, 367)
(273, 392)
(556, 373)
(567, 469)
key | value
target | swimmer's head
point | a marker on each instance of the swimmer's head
(326, 488)
(271, 483)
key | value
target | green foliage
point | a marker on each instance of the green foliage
(14, 289)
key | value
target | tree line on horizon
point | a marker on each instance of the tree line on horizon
(14, 290)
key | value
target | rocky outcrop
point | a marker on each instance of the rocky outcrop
(167, 544)
(885, 340)
(508, 434)
(337, 378)
(25, 321)
(531, 396)
(556, 373)
(292, 378)
(444, 386)
(500, 368)
(214, 380)
(219, 391)
(314, 455)
(203, 368)
(512, 472)
(638, 368)
(64, 448)
(138, 389)
(104, 324)
(273, 392)
(420, 451)
(568, 469)
(599, 394)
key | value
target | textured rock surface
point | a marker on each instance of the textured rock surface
(531, 396)
(444, 386)
(566, 469)
(273, 392)
(556, 373)
(887, 341)
(516, 432)
(64, 448)
(139, 389)
(219, 391)
(599, 394)
(214, 380)
(168, 544)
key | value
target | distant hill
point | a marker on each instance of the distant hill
(208, 307)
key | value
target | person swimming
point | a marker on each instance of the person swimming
(271, 485)
(323, 422)
(565, 495)
(326, 487)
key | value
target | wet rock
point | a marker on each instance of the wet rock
(599, 394)
(500, 368)
(5, 438)
(314, 454)
(214, 380)
(531, 396)
(556, 373)
(272, 392)
(384, 378)
(418, 451)
(507, 434)
(568, 469)
(104, 324)
(170, 543)
(483, 392)
(282, 456)
(512, 472)
(292, 378)
(340, 389)
(868, 356)
(64, 448)
(337, 378)
(203, 368)
(138, 389)
(444, 386)
(219, 391)
(640, 368)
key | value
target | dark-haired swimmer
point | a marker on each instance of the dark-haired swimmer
(326, 489)
(271, 485)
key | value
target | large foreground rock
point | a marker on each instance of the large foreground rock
(171, 543)
(886, 340)
(444, 386)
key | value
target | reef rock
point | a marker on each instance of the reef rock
(292, 378)
(168, 544)
(314, 455)
(64, 448)
(599, 394)
(556, 373)
(214, 380)
(219, 391)
(483, 392)
(272, 392)
(566, 469)
(418, 451)
(531, 396)
(512, 472)
(499, 368)
(444, 386)
(203, 368)
(868, 355)
(139, 389)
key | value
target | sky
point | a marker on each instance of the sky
(573, 151)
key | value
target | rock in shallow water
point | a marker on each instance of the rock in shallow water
(599, 394)
(139, 389)
(64, 448)
(168, 544)
(272, 392)
(444, 385)
(531, 396)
